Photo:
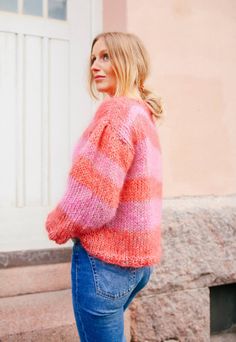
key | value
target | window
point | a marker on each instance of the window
(8, 5)
(55, 9)
(33, 7)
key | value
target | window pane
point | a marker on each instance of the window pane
(33, 7)
(57, 9)
(8, 5)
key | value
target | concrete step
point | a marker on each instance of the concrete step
(40, 317)
(37, 317)
(32, 279)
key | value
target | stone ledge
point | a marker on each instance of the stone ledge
(32, 279)
(202, 202)
(198, 241)
(34, 257)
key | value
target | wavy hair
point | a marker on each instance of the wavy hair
(130, 62)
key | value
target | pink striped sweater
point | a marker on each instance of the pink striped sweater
(113, 200)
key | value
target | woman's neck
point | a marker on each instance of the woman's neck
(135, 94)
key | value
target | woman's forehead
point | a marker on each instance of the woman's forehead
(99, 46)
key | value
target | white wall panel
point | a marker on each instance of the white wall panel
(20, 123)
(7, 122)
(45, 123)
(33, 120)
(59, 114)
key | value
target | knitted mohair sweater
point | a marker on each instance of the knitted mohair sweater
(113, 199)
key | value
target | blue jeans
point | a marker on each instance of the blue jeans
(101, 292)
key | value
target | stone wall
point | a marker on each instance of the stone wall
(199, 251)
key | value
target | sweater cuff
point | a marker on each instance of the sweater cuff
(56, 233)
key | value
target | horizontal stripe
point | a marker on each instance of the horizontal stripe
(84, 173)
(81, 143)
(144, 128)
(133, 120)
(147, 161)
(76, 202)
(137, 110)
(104, 165)
(136, 216)
(129, 115)
(59, 222)
(141, 189)
(109, 143)
(139, 123)
(134, 249)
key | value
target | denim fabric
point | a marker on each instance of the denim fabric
(101, 292)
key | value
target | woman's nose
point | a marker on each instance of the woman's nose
(95, 66)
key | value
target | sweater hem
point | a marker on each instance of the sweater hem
(127, 262)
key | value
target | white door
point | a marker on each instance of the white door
(44, 49)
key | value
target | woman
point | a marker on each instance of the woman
(112, 205)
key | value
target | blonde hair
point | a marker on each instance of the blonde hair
(130, 62)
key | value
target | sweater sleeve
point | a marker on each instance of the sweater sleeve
(94, 184)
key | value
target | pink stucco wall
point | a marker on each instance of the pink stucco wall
(192, 45)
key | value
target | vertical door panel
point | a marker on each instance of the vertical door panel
(59, 116)
(33, 119)
(8, 119)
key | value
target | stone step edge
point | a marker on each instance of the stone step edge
(35, 257)
(66, 333)
(34, 279)
(29, 312)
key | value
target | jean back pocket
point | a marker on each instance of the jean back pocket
(112, 281)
